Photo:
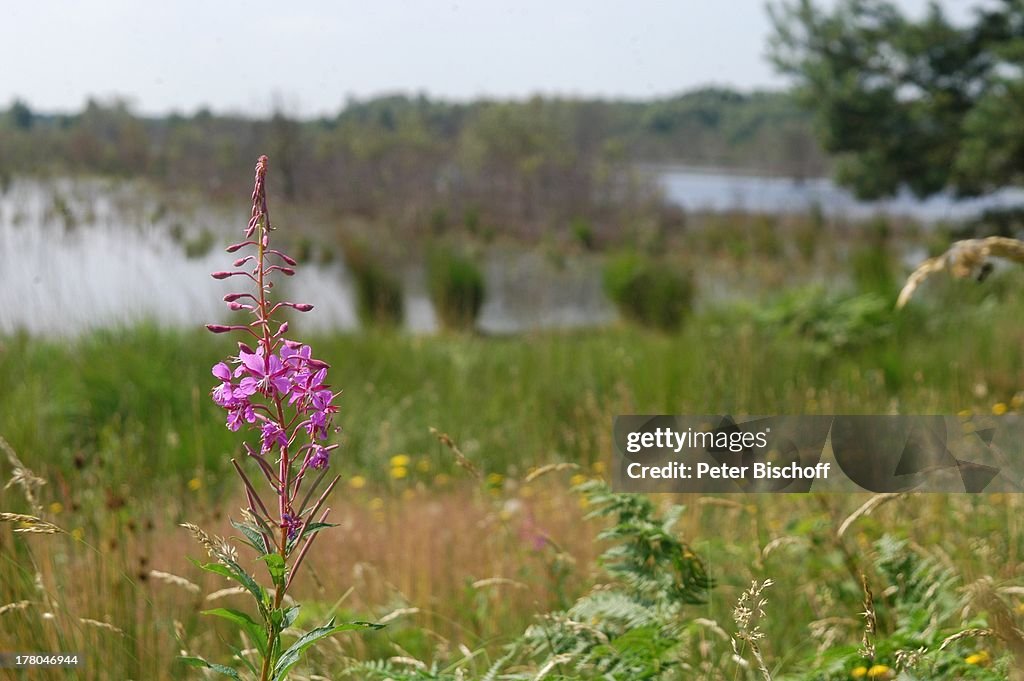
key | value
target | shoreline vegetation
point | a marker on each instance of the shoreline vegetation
(521, 169)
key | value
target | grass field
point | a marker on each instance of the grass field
(120, 425)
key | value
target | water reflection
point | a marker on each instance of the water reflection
(75, 256)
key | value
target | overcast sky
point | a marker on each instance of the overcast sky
(234, 56)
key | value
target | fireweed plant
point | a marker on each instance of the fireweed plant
(275, 389)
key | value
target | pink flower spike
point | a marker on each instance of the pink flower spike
(241, 261)
(282, 329)
(222, 371)
(220, 328)
(223, 275)
(238, 306)
(286, 271)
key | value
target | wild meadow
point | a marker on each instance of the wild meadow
(472, 518)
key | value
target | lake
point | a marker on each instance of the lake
(81, 254)
(716, 191)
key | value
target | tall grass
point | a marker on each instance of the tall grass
(114, 400)
(119, 424)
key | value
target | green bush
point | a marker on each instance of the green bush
(649, 292)
(829, 322)
(456, 287)
(379, 299)
(583, 233)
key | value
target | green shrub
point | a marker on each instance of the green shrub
(456, 287)
(583, 233)
(829, 322)
(649, 292)
(379, 299)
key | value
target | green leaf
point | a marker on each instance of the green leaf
(316, 527)
(291, 656)
(252, 534)
(233, 570)
(276, 567)
(290, 615)
(254, 629)
(311, 529)
(239, 655)
(203, 664)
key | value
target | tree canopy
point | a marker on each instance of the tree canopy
(926, 103)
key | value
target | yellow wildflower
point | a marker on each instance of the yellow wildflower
(577, 479)
(399, 472)
(859, 672)
(357, 482)
(999, 408)
(400, 460)
(879, 671)
(980, 658)
(56, 507)
(194, 484)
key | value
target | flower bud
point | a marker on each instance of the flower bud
(234, 247)
(287, 258)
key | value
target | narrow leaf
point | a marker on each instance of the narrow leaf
(233, 570)
(252, 535)
(203, 664)
(247, 624)
(291, 656)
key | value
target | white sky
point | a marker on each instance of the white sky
(237, 56)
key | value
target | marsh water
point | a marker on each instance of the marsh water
(81, 254)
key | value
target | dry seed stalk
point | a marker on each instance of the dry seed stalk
(870, 621)
(168, 578)
(30, 524)
(550, 468)
(460, 458)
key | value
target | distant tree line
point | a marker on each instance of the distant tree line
(413, 159)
